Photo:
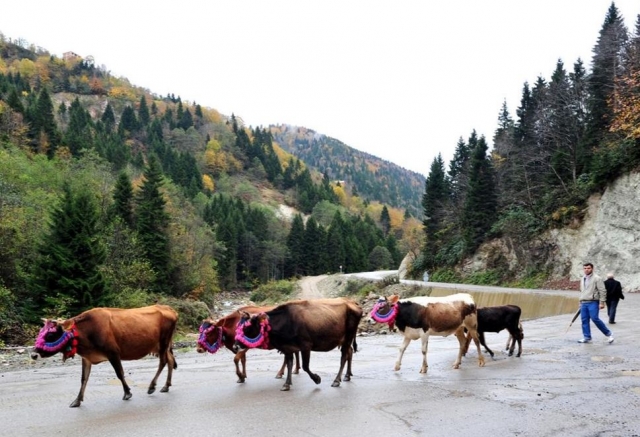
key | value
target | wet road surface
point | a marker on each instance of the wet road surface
(557, 388)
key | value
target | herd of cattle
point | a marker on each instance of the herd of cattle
(295, 328)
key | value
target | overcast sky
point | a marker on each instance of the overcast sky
(401, 80)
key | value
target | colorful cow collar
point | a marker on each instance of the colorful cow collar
(202, 340)
(67, 343)
(260, 341)
(389, 317)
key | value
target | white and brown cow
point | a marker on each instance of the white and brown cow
(423, 316)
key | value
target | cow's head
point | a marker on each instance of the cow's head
(211, 337)
(252, 331)
(385, 310)
(53, 338)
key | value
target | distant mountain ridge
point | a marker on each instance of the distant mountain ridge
(368, 176)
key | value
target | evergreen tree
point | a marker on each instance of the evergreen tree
(152, 222)
(186, 121)
(123, 199)
(79, 134)
(128, 121)
(607, 68)
(434, 204)
(67, 277)
(143, 112)
(296, 247)
(385, 220)
(108, 118)
(480, 208)
(313, 248)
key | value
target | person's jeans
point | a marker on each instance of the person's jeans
(589, 311)
(612, 305)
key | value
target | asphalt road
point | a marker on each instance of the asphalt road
(557, 388)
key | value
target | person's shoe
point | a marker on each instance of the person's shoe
(585, 340)
(610, 339)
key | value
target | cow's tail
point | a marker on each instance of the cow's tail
(175, 363)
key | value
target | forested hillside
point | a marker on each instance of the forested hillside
(571, 135)
(111, 195)
(363, 174)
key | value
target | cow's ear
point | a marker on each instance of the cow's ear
(244, 314)
(393, 299)
(262, 317)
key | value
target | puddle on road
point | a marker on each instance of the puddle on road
(601, 359)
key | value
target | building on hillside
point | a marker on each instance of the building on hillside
(69, 56)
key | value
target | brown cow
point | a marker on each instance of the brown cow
(112, 334)
(422, 316)
(215, 334)
(305, 325)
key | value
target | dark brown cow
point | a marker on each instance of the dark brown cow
(422, 316)
(306, 325)
(112, 334)
(215, 334)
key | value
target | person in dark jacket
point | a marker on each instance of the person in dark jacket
(614, 294)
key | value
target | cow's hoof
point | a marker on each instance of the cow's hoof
(75, 404)
(347, 378)
(127, 396)
(335, 384)
(296, 372)
(278, 376)
(285, 387)
(240, 381)
(456, 366)
(151, 391)
(316, 379)
(481, 363)
(397, 367)
(164, 390)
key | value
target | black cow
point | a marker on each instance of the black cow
(495, 319)
(305, 325)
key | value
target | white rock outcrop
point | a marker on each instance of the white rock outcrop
(609, 236)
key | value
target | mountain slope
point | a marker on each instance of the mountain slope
(369, 176)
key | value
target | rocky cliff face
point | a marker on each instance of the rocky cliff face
(609, 236)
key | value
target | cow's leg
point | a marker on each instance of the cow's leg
(241, 357)
(306, 357)
(512, 336)
(289, 359)
(297, 368)
(474, 335)
(284, 364)
(519, 338)
(117, 366)
(425, 346)
(348, 375)
(163, 362)
(484, 343)
(171, 364)
(345, 358)
(86, 371)
(466, 343)
(403, 347)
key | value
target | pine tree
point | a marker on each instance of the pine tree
(108, 118)
(295, 247)
(123, 199)
(480, 208)
(143, 112)
(434, 205)
(152, 222)
(607, 68)
(67, 277)
(385, 220)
